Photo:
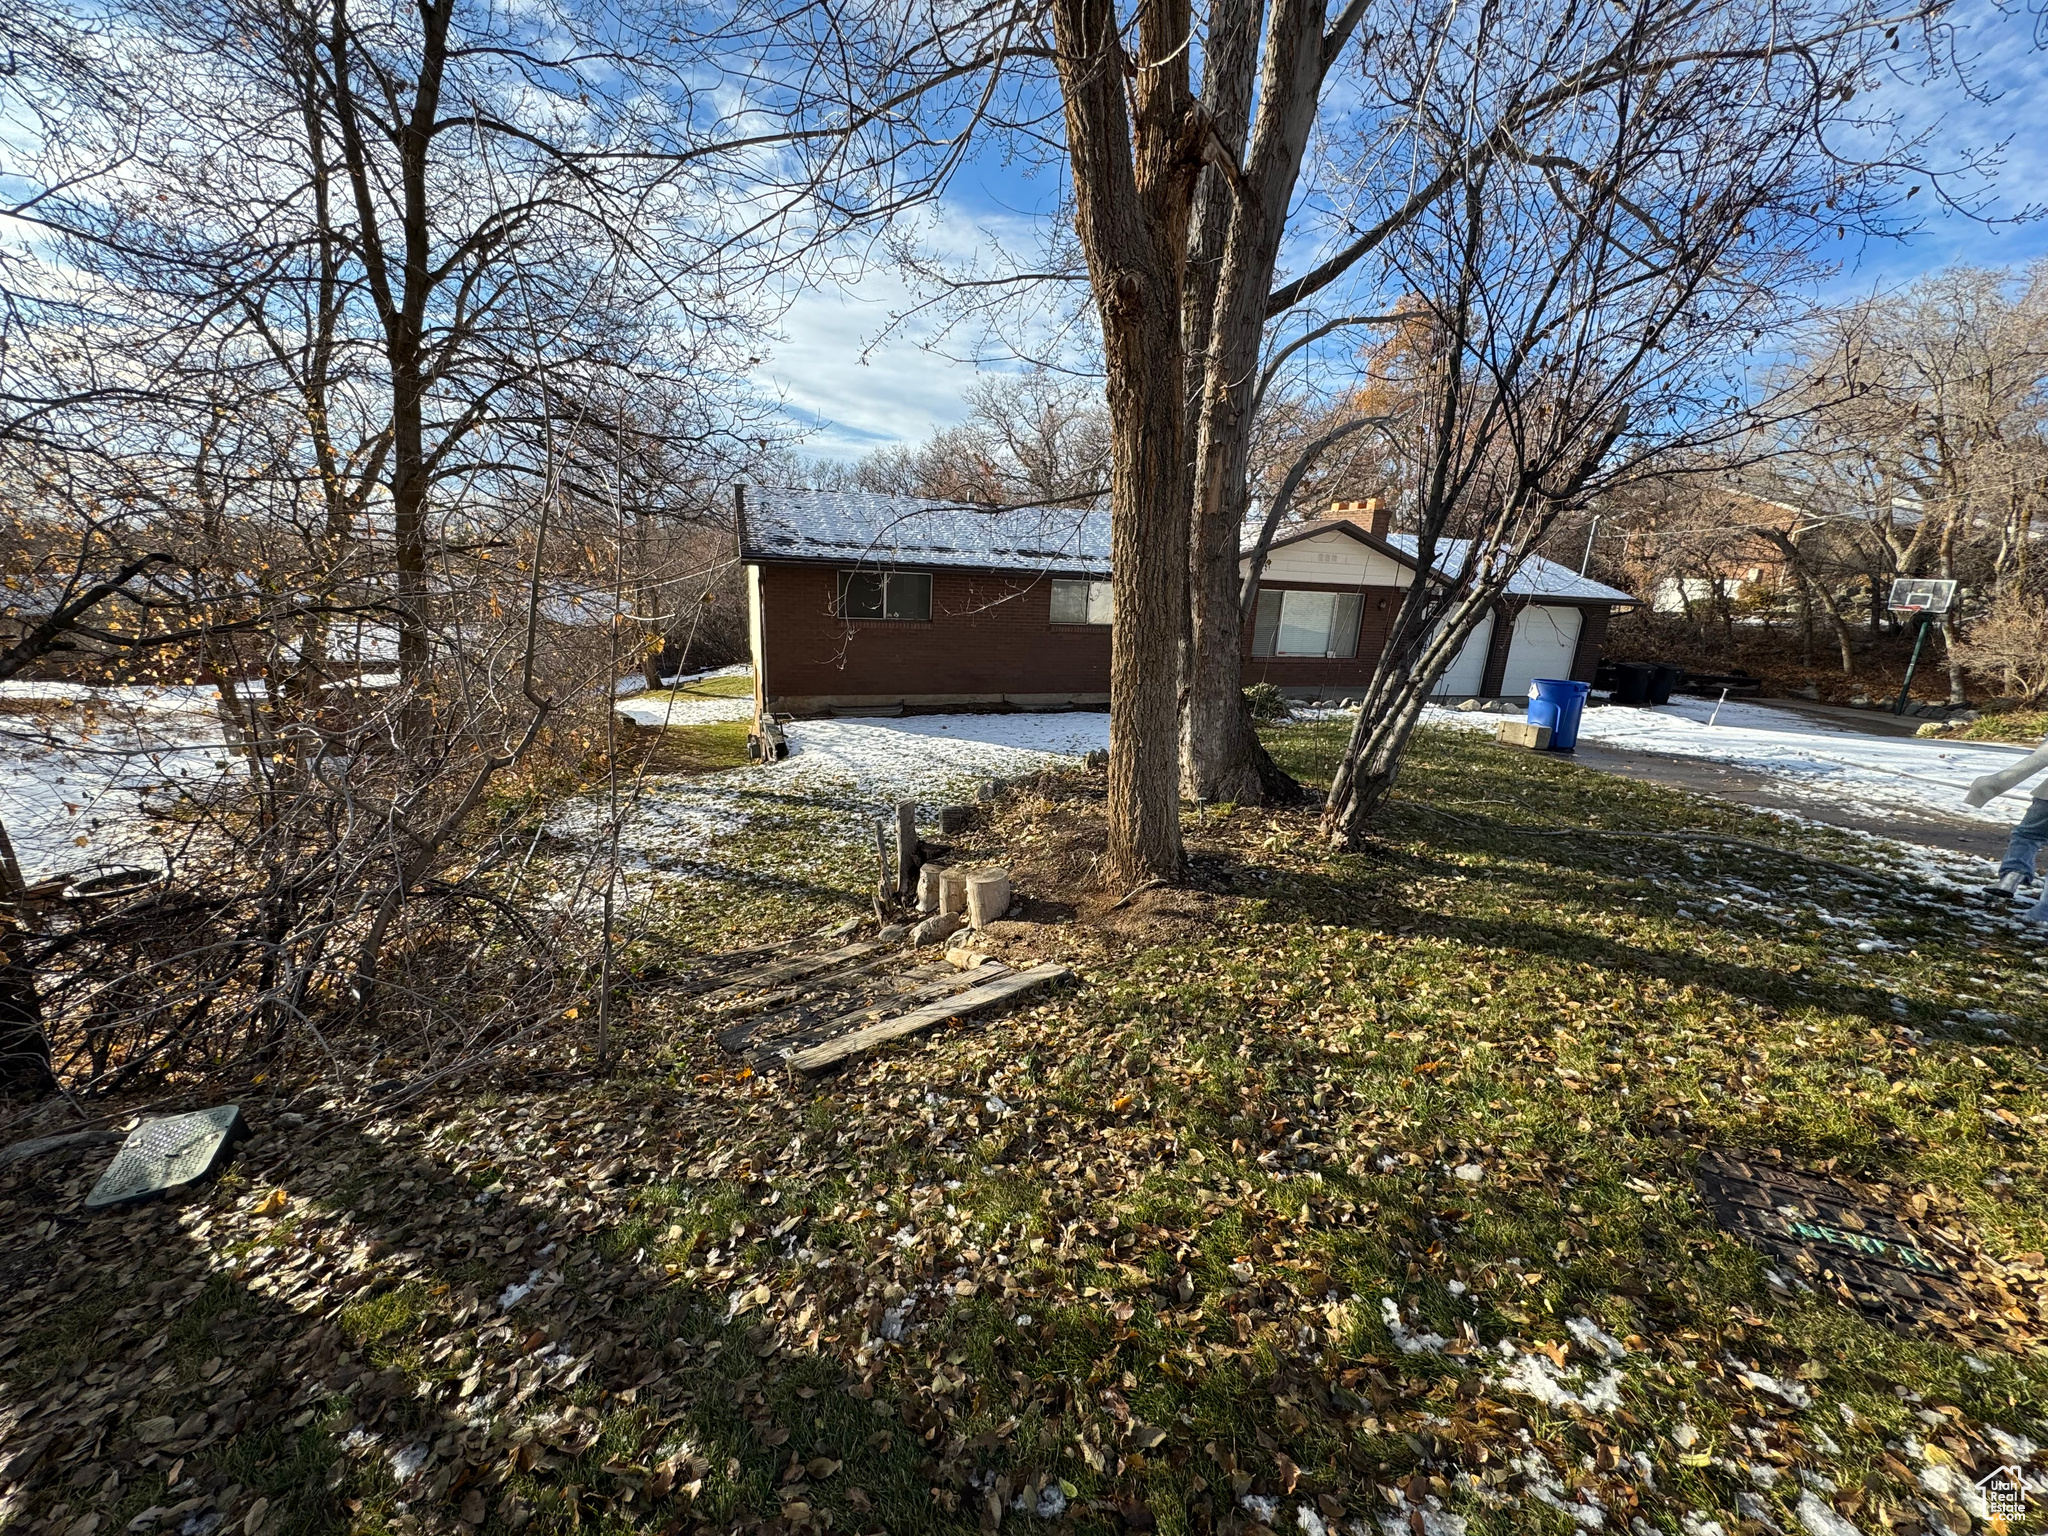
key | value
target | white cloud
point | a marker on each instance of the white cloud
(858, 379)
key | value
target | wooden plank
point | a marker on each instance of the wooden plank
(903, 989)
(939, 986)
(790, 970)
(837, 978)
(861, 1041)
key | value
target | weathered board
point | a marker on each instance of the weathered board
(790, 970)
(1834, 1239)
(163, 1154)
(860, 1041)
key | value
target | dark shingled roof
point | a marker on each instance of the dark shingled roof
(859, 528)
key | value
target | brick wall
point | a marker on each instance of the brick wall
(990, 639)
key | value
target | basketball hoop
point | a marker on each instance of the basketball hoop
(1923, 599)
(1916, 594)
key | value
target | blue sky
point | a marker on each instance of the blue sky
(855, 393)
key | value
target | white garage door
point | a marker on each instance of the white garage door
(1461, 678)
(1545, 641)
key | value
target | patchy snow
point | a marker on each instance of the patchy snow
(1820, 1519)
(656, 710)
(1790, 1393)
(1877, 775)
(1538, 1376)
(1409, 1343)
(1435, 1520)
(81, 766)
(1591, 1335)
(1262, 1507)
(848, 772)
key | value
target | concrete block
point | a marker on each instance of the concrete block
(1520, 733)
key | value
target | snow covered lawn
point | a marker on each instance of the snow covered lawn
(79, 767)
(1876, 775)
(839, 777)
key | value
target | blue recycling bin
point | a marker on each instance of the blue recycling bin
(1558, 702)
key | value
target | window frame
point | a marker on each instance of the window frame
(1096, 588)
(843, 581)
(1269, 622)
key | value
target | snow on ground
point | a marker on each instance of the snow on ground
(80, 766)
(656, 710)
(841, 773)
(1875, 775)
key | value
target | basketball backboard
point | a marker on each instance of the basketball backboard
(1920, 594)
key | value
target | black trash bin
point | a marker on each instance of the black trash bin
(1632, 683)
(1662, 680)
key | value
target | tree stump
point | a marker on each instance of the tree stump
(952, 890)
(988, 896)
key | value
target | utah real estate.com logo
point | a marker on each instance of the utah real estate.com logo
(2005, 1497)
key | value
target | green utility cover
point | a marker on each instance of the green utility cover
(162, 1154)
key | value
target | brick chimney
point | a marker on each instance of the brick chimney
(1376, 515)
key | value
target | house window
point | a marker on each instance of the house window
(1081, 602)
(885, 595)
(1307, 624)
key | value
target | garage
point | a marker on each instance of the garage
(1546, 640)
(1463, 678)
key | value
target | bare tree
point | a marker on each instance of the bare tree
(1926, 424)
(1589, 300)
(1034, 438)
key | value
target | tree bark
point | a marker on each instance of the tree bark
(1133, 194)
(1219, 756)
(1394, 703)
(1207, 690)
(401, 310)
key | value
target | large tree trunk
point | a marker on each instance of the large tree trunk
(1210, 681)
(1219, 754)
(1133, 193)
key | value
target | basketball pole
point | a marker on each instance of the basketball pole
(1912, 662)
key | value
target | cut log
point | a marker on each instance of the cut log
(988, 896)
(821, 1057)
(933, 929)
(953, 891)
(929, 879)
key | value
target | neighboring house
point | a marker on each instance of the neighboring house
(1330, 590)
(860, 603)
(864, 603)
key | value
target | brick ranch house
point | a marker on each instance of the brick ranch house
(867, 604)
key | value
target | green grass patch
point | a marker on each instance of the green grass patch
(711, 746)
(2027, 725)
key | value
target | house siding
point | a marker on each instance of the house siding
(990, 640)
